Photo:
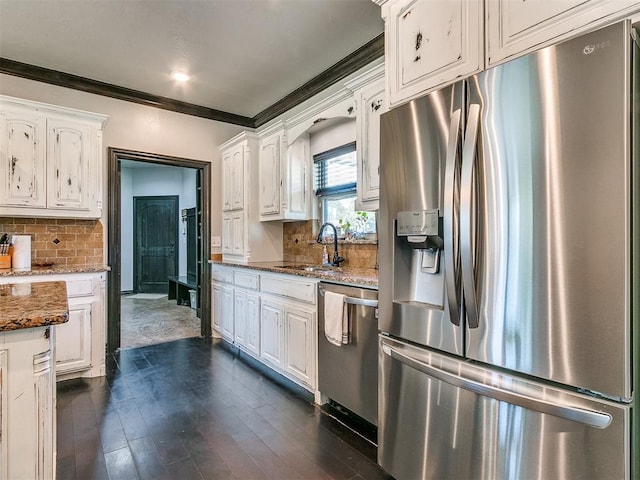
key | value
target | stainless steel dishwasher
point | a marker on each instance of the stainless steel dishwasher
(348, 374)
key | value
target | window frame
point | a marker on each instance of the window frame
(320, 161)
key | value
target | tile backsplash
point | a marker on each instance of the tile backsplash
(61, 241)
(299, 244)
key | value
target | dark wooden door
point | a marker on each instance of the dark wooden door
(155, 242)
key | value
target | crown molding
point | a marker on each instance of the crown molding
(75, 82)
(348, 65)
(363, 56)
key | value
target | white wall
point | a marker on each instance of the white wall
(136, 127)
(153, 181)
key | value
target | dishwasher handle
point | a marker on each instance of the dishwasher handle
(364, 302)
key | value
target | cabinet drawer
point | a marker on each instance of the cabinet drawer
(221, 274)
(287, 287)
(80, 288)
(247, 280)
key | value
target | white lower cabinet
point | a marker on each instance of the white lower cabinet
(299, 338)
(73, 339)
(273, 318)
(271, 341)
(247, 320)
(227, 317)
(27, 404)
(222, 318)
(216, 307)
(79, 345)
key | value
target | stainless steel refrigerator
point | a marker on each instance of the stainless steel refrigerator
(509, 279)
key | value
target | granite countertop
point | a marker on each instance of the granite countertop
(53, 269)
(28, 305)
(347, 275)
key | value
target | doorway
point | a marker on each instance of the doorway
(155, 243)
(202, 289)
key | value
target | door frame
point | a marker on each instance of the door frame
(176, 260)
(203, 201)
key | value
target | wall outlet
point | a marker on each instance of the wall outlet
(216, 241)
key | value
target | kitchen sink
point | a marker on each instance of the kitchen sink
(311, 268)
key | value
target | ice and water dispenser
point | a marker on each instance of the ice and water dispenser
(418, 256)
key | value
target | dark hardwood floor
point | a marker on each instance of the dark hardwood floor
(188, 410)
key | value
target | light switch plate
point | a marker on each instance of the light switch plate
(216, 241)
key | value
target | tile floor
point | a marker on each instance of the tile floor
(191, 409)
(149, 321)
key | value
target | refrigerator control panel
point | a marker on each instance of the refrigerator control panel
(417, 222)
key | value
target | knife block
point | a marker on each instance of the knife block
(5, 260)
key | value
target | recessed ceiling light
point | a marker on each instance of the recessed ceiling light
(179, 76)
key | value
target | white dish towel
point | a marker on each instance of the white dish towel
(336, 320)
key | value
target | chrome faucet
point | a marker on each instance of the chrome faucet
(336, 258)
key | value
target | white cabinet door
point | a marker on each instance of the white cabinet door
(270, 180)
(299, 343)
(216, 297)
(253, 323)
(226, 313)
(297, 188)
(227, 180)
(371, 104)
(73, 339)
(227, 236)
(233, 233)
(271, 342)
(429, 44)
(247, 320)
(237, 233)
(22, 159)
(233, 178)
(69, 157)
(240, 318)
(237, 178)
(514, 27)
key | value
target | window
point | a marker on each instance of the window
(335, 186)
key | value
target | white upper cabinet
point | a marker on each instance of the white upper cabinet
(50, 160)
(297, 201)
(430, 43)
(233, 167)
(22, 150)
(244, 237)
(270, 180)
(285, 188)
(68, 151)
(371, 103)
(233, 233)
(514, 27)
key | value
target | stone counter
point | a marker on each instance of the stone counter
(29, 305)
(53, 270)
(346, 275)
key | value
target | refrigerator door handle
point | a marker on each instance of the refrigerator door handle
(466, 217)
(588, 417)
(452, 256)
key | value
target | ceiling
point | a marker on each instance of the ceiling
(242, 55)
